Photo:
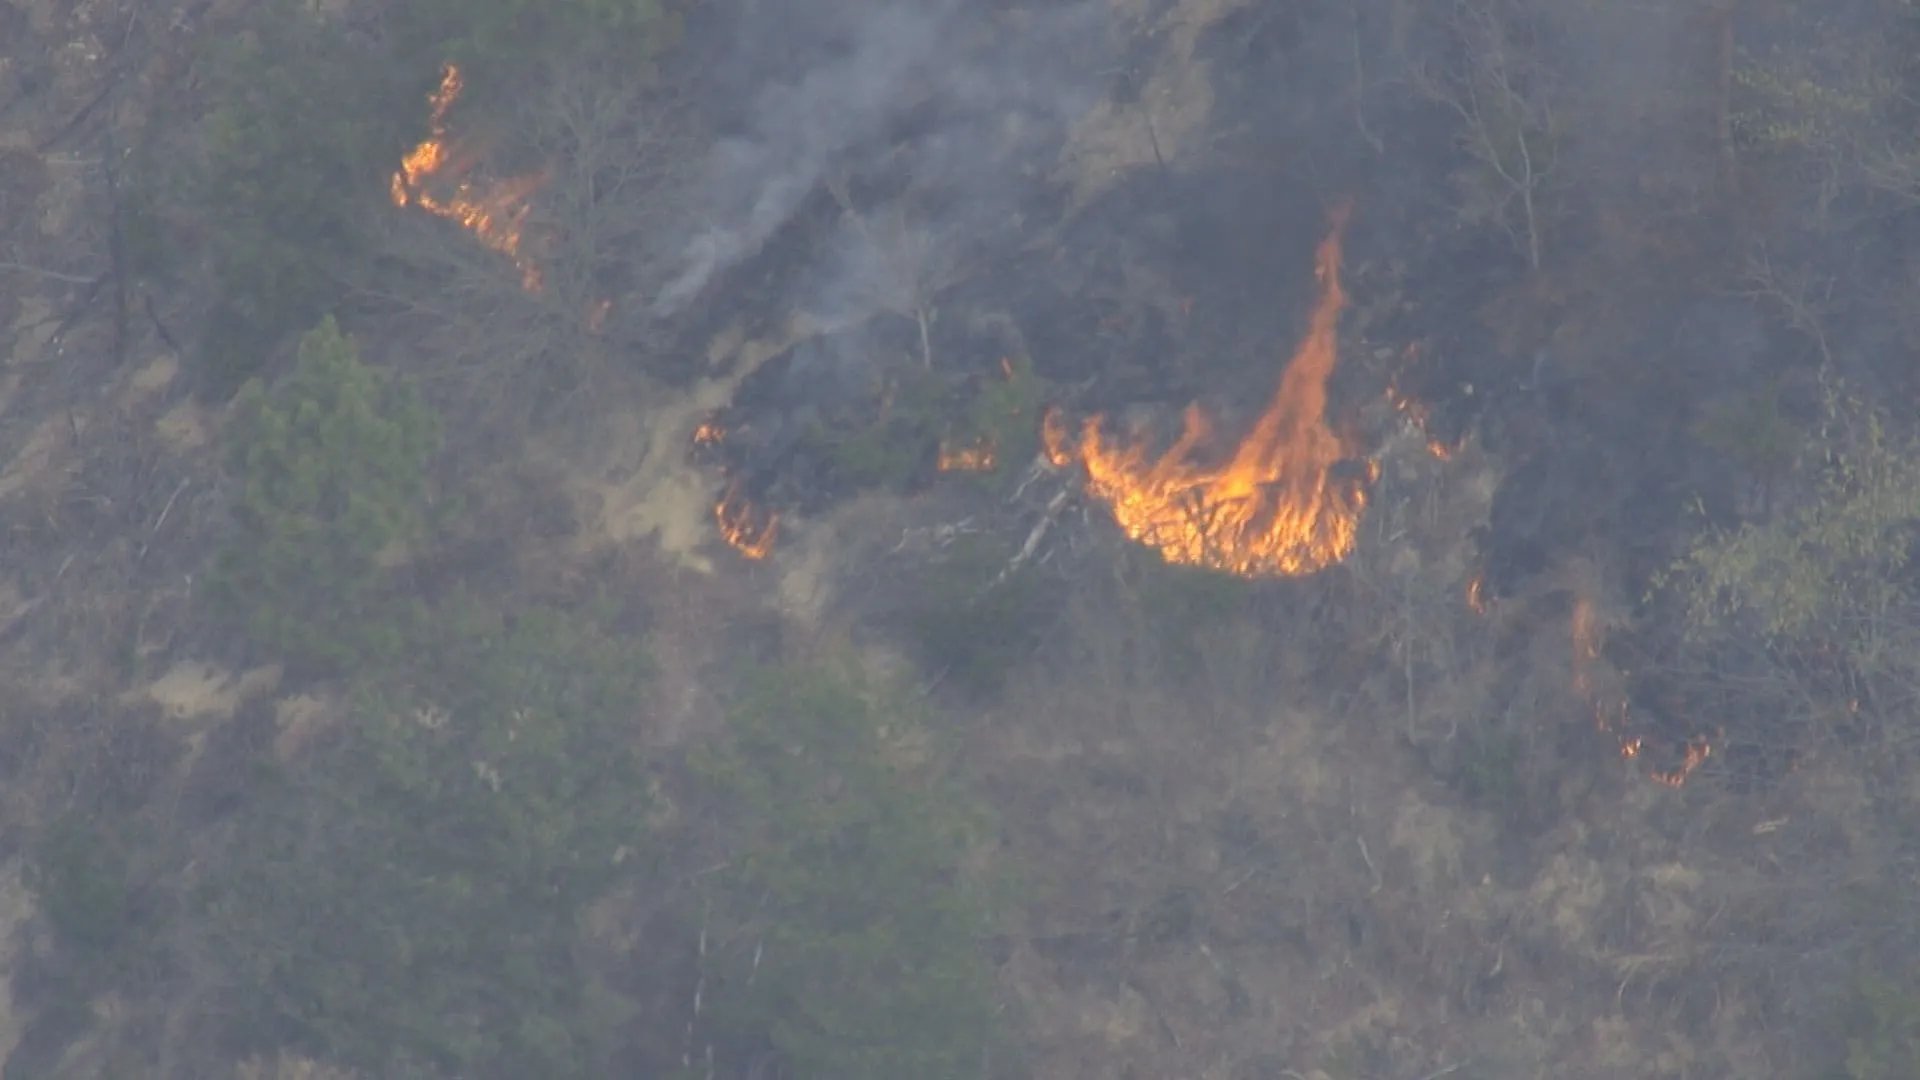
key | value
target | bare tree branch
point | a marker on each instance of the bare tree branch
(1507, 120)
(41, 271)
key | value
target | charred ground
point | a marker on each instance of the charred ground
(746, 557)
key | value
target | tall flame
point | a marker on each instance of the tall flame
(496, 216)
(1277, 507)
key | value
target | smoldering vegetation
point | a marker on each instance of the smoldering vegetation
(814, 457)
(1581, 244)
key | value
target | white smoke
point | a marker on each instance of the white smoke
(982, 80)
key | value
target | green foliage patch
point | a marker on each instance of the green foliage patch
(856, 926)
(1184, 607)
(500, 42)
(1880, 1030)
(1753, 430)
(1832, 567)
(306, 123)
(969, 618)
(888, 450)
(304, 129)
(409, 900)
(332, 466)
(1004, 414)
(923, 411)
(80, 873)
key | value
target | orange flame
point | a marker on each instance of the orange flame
(1610, 710)
(495, 217)
(1276, 508)
(744, 526)
(1698, 750)
(978, 457)
(1055, 443)
(1416, 413)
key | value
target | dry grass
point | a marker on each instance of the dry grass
(1167, 124)
(1248, 867)
(289, 1067)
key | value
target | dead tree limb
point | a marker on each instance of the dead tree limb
(1508, 121)
(53, 275)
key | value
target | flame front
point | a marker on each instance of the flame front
(745, 527)
(1610, 708)
(1277, 507)
(496, 217)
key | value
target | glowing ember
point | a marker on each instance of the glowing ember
(1476, 596)
(1610, 713)
(744, 526)
(975, 458)
(747, 527)
(1415, 413)
(1697, 751)
(1586, 649)
(1278, 506)
(495, 217)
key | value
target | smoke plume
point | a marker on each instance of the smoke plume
(947, 95)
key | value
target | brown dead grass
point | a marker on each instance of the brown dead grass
(302, 719)
(1339, 910)
(289, 1067)
(43, 460)
(1249, 874)
(1167, 123)
(185, 428)
(693, 615)
(630, 478)
(191, 694)
(16, 908)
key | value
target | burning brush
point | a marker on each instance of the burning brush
(1288, 501)
(1601, 688)
(495, 213)
(747, 527)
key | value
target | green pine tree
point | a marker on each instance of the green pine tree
(332, 465)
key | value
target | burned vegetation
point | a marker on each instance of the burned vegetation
(868, 539)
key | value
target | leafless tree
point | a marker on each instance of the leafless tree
(902, 265)
(578, 185)
(1803, 300)
(1499, 91)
